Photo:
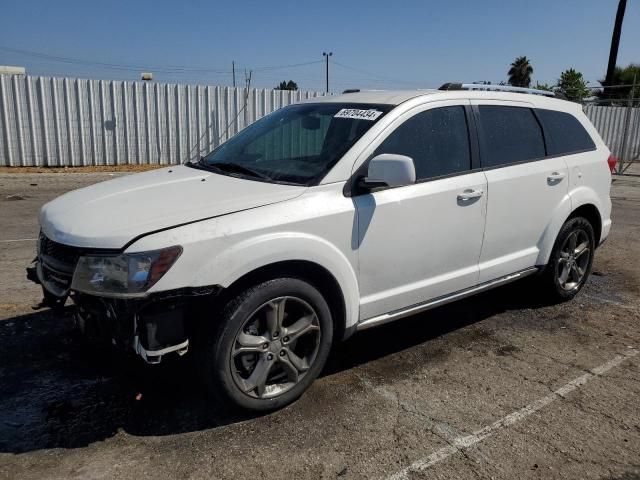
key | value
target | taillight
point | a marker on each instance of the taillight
(612, 161)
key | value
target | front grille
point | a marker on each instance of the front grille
(58, 262)
(62, 253)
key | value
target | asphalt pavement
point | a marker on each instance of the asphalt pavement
(499, 386)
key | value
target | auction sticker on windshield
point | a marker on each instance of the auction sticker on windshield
(358, 114)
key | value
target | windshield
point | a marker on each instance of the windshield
(297, 144)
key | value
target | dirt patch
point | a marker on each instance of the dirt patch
(505, 350)
(626, 476)
(14, 197)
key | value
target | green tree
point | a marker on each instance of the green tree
(520, 72)
(290, 85)
(573, 86)
(624, 78)
(544, 86)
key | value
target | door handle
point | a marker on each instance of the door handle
(555, 176)
(469, 194)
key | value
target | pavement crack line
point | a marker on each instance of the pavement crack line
(522, 375)
(464, 442)
(549, 356)
(439, 429)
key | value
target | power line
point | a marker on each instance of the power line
(374, 75)
(280, 67)
(116, 66)
(136, 67)
(181, 70)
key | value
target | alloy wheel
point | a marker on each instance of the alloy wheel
(275, 347)
(573, 261)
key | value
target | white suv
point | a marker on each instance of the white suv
(327, 217)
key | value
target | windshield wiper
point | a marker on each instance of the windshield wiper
(227, 167)
(234, 168)
(197, 164)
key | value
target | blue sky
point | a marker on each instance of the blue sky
(388, 44)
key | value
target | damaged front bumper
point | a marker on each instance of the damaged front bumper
(152, 326)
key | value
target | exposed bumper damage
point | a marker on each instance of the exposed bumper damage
(152, 326)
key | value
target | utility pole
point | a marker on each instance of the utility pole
(233, 70)
(326, 56)
(247, 87)
(615, 42)
(625, 135)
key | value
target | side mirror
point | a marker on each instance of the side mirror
(389, 170)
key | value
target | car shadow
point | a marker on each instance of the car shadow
(55, 392)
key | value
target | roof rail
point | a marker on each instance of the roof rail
(498, 88)
(351, 90)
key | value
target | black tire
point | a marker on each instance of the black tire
(221, 373)
(552, 278)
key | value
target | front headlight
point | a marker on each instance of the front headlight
(127, 274)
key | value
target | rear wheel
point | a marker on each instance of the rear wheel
(271, 343)
(571, 260)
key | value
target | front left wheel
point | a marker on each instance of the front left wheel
(268, 346)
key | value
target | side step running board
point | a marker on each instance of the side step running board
(421, 307)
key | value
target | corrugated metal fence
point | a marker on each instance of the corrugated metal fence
(619, 127)
(65, 121)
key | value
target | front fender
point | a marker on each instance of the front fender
(315, 228)
(223, 260)
(246, 256)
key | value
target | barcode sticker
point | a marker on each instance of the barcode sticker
(358, 114)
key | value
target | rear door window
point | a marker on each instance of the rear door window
(509, 135)
(565, 134)
(437, 140)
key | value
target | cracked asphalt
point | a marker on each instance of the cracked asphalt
(498, 386)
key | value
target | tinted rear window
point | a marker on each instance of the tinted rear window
(565, 133)
(509, 135)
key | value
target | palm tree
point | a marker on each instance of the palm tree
(615, 41)
(520, 72)
(613, 52)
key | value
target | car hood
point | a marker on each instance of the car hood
(110, 214)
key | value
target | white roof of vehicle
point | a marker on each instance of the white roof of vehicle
(396, 97)
(387, 97)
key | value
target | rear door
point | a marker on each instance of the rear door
(525, 186)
